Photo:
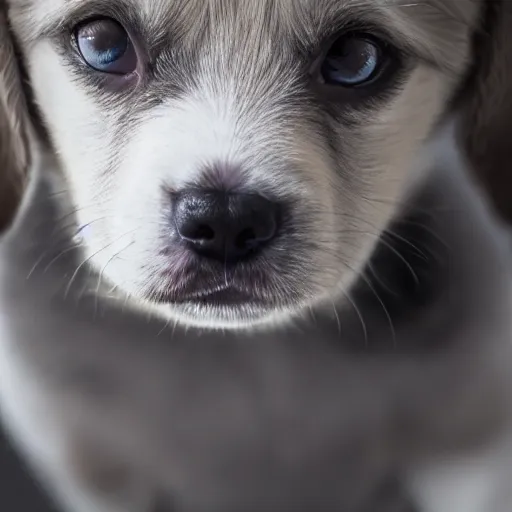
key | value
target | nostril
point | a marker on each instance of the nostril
(252, 237)
(246, 239)
(227, 227)
(201, 232)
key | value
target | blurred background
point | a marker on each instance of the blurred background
(18, 493)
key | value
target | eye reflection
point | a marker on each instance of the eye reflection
(106, 46)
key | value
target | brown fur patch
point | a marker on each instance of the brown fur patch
(486, 127)
(14, 155)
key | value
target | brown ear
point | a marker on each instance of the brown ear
(14, 150)
(486, 124)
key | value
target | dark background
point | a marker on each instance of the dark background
(18, 493)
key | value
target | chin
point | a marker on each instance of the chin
(224, 317)
(224, 309)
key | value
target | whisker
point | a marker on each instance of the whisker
(102, 272)
(338, 321)
(384, 308)
(89, 258)
(60, 255)
(359, 314)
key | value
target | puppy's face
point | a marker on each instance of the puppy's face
(234, 161)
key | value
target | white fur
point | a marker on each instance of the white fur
(93, 375)
(242, 109)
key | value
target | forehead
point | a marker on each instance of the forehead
(437, 28)
(421, 13)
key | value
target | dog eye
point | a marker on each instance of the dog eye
(105, 46)
(353, 61)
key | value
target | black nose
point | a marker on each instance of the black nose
(223, 226)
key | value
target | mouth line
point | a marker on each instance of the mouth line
(222, 296)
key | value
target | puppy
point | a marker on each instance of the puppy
(249, 270)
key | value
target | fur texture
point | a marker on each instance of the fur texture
(218, 95)
(344, 375)
(14, 158)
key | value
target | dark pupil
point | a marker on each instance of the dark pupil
(106, 40)
(352, 60)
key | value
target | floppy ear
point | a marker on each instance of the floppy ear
(14, 147)
(486, 123)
